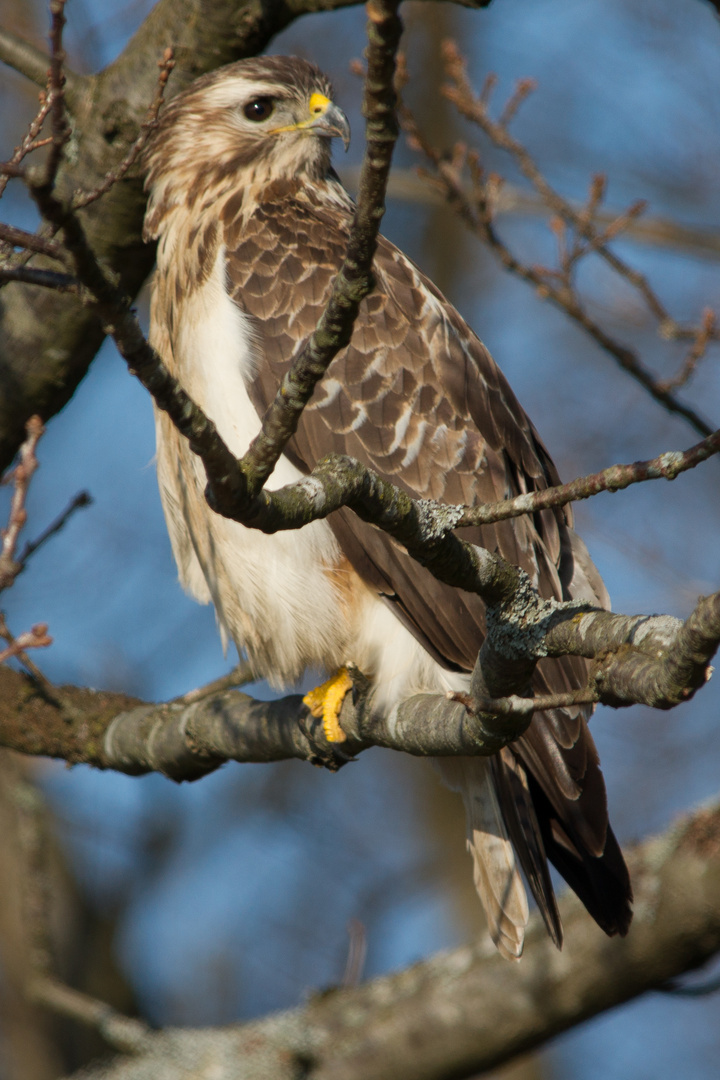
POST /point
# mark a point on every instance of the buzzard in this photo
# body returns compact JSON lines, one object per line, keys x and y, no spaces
{"x":252,"y":224}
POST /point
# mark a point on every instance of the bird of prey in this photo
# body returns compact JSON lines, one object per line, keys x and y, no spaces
{"x":252,"y":224}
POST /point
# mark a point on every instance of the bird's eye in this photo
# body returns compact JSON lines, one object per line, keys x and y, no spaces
{"x":259,"y":108}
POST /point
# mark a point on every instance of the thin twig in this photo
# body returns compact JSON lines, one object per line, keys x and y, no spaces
{"x":357,"y":951}
{"x":78,"y":502}
{"x":523,"y":89}
{"x":239,"y":676}
{"x":666,"y":466}
{"x":656,"y":231}
{"x":13,"y":167}
{"x":589,"y":211}
{"x":124,"y":1033}
{"x":21,"y":476}
{"x":47,"y":279}
{"x":477,"y":211}
{"x":461,"y":94}
{"x":515,"y":706}
{"x":56,"y":92}
{"x":705,"y":332}
{"x":51,"y":694}
{"x":10,"y":234}
{"x":35,"y":638}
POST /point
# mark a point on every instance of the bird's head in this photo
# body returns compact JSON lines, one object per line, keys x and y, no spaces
{"x":256,"y":121}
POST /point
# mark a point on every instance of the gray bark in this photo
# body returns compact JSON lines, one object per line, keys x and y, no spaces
{"x":468,"y":1010}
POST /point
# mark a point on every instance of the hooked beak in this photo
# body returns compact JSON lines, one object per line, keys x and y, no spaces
{"x":328,"y":119}
{"x":324,"y":118}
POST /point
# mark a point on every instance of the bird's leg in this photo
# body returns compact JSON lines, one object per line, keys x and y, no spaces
{"x":326,"y":701}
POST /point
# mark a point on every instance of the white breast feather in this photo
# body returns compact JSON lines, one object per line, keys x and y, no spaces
{"x":273,"y":595}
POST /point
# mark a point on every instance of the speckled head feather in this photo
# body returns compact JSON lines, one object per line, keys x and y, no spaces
{"x":253,"y":226}
{"x":203,"y":142}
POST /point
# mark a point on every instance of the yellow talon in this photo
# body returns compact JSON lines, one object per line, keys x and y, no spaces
{"x":326,"y":701}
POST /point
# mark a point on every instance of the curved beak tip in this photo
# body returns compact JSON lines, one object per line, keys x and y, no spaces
{"x":333,"y":123}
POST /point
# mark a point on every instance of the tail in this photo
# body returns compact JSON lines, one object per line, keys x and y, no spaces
{"x":543,"y":798}
{"x":496,"y":874}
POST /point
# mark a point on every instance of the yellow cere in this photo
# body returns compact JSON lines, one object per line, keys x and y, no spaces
{"x":318,"y":104}
{"x":316,"y":107}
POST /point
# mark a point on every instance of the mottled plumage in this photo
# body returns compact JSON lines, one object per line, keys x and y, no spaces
{"x":252,"y":225}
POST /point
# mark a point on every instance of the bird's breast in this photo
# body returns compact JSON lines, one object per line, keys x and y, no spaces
{"x":292,"y":600}
{"x":276,"y":596}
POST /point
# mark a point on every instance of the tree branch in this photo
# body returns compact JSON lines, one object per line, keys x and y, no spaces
{"x":20,"y":238}
{"x":405,"y":184}
{"x":615,"y":478}
{"x":123,"y":1033}
{"x":46,"y":279}
{"x":81,"y":199}
{"x":475,"y":108}
{"x":466,"y":1011}
{"x":657,"y":661}
{"x":21,"y":476}
{"x":477,"y":210}
{"x":30,"y":61}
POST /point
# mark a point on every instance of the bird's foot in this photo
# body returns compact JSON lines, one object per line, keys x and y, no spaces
{"x":326,"y":701}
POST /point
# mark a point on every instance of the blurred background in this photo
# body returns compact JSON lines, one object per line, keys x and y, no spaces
{"x":224,"y":899}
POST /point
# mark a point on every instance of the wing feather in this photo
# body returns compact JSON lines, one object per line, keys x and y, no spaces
{"x":418,"y":398}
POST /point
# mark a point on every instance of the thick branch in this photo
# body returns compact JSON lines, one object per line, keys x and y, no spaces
{"x":469,"y":1010}
{"x":111,"y":731}
{"x":30,"y":61}
{"x":656,"y":660}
